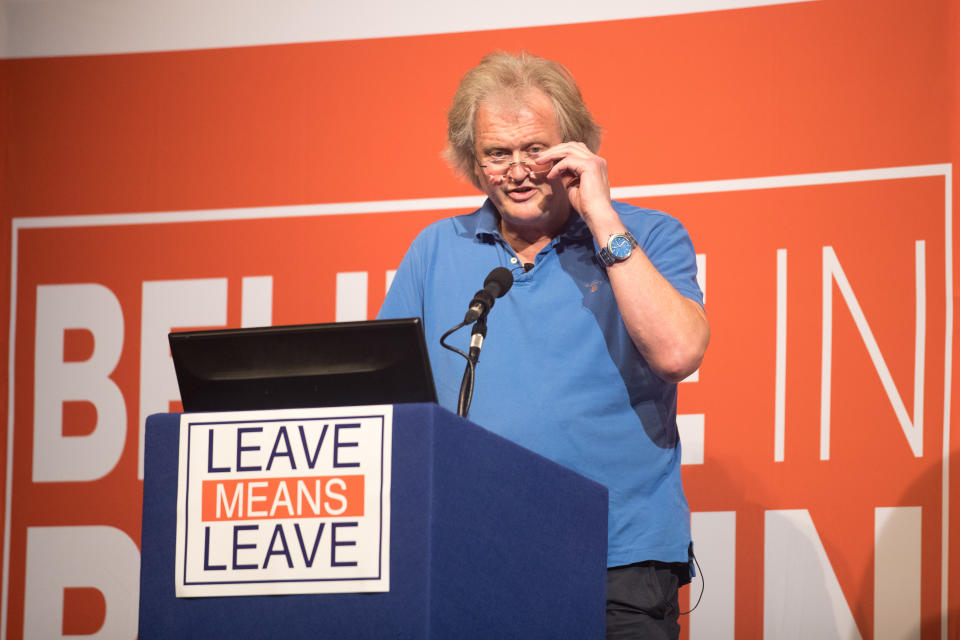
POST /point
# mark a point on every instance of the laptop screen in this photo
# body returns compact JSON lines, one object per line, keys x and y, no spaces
{"x":314,"y":365}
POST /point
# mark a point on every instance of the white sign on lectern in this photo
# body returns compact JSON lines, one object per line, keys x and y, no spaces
{"x":284,"y":502}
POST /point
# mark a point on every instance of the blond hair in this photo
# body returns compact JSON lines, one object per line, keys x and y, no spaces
{"x":500,"y":72}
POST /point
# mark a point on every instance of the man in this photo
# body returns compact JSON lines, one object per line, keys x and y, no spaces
{"x":583,"y":354}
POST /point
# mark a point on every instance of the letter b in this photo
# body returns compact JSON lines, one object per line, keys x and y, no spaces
{"x":56,"y":457}
{"x":103,"y":558}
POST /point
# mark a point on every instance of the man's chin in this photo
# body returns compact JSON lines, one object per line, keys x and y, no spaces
{"x":523,"y":216}
{"x":534,"y":206}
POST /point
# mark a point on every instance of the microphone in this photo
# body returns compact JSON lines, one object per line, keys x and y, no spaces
{"x":476,"y":339}
{"x":497,"y":283}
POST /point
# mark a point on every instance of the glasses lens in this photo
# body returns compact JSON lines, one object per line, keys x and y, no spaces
{"x":496,"y":169}
{"x":501,"y":167}
{"x":534,"y":167}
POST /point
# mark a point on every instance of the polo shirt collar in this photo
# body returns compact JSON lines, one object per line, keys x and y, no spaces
{"x":488,"y":220}
{"x":488,"y":223}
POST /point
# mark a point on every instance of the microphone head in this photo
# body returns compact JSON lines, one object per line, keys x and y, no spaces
{"x":498,"y":282}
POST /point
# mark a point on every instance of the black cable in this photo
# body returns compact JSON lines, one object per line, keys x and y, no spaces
{"x":703,"y":585}
{"x":466,"y":385}
{"x":447,"y":335}
{"x":466,"y":389}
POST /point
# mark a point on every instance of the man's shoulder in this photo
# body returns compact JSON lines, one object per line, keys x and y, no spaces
{"x":641,"y":214}
{"x":640,"y":220}
{"x":465,"y":225}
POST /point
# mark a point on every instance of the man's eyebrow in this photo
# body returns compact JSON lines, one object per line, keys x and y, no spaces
{"x":497,"y":147}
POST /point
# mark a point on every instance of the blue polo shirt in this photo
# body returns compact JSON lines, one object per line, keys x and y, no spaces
{"x":558,"y":373}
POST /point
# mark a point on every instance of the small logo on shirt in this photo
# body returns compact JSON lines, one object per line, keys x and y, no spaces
{"x":592,"y":286}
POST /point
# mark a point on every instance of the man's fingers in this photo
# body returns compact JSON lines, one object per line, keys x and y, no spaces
{"x":564,"y":150}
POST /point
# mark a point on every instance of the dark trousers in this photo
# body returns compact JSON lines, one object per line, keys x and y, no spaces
{"x":642,"y":600}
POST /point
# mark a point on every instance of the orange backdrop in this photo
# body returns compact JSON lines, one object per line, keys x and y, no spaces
{"x":804,"y":146}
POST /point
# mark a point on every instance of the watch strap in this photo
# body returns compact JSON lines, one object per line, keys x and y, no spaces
{"x":606,"y":258}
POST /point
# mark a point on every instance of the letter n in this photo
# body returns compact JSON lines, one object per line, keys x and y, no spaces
{"x":833,"y":272}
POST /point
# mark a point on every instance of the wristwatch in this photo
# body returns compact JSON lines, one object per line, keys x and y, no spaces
{"x":619,"y":247}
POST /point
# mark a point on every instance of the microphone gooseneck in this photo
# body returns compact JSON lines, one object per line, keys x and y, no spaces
{"x":498,"y":282}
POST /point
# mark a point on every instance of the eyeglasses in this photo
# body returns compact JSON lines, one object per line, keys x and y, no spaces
{"x":499,"y":165}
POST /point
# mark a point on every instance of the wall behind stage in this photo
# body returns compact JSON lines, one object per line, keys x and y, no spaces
{"x":159,"y":174}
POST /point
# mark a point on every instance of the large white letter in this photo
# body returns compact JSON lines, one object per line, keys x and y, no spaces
{"x":168,"y":304}
{"x":715,"y":545}
{"x":692,"y":426}
{"x":912,"y":429}
{"x":896,"y":575}
{"x":702,"y":281}
{"x":256,"y":303}
{"x":103,"y":558}
{"x":351,"y":296}
{"x":780,"y":375}
{"x":56,"y":457}
{"x":802,"y":598}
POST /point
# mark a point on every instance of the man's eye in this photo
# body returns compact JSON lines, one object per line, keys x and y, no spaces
{"x":535,"y":149}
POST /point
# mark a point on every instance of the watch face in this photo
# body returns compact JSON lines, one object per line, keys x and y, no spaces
{"x":620,"y":247}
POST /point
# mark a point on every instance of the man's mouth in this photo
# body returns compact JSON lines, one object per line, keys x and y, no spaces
{"x":521,"y":193}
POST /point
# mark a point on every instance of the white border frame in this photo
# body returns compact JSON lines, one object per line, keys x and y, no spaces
{"x":70,"y":28}
{"x":471,"y":202}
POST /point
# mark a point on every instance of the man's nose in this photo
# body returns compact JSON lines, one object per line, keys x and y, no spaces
{"x":517,"y":169}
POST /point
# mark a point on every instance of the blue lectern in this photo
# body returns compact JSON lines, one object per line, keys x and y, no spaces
{"x":488,"y":540}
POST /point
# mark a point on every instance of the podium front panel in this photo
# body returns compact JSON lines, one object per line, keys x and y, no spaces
{"x":487,"y":540}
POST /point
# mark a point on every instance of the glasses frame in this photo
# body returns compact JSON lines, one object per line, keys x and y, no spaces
{"x":525,"y":164}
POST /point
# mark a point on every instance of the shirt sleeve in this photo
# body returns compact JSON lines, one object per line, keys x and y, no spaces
{"x":404,"y":298}
{"x":667,"y":244}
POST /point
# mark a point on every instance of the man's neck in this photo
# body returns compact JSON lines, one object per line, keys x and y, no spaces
{"x":528,"y":241}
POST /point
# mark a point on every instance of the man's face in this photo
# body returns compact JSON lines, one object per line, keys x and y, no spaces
{"x":507,"y":125}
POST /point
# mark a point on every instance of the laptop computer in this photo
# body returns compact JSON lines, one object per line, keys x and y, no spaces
{"x":312,"y":365}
